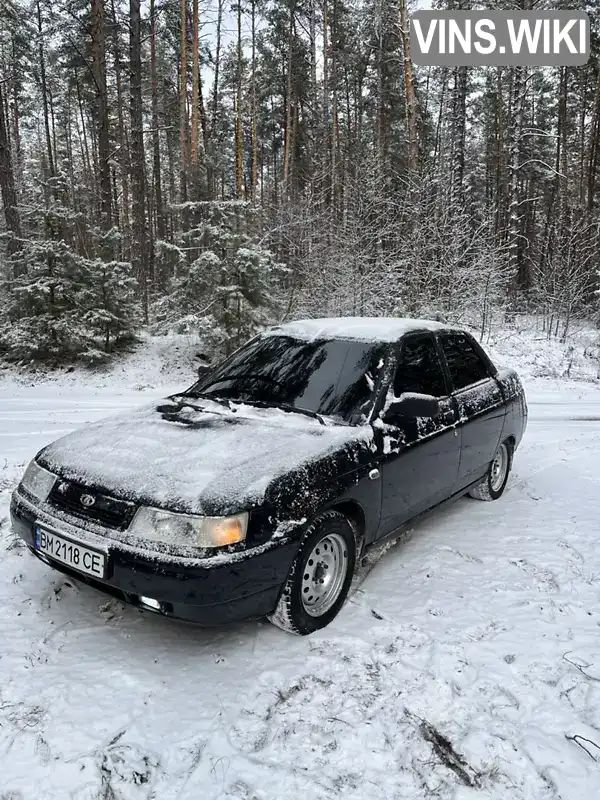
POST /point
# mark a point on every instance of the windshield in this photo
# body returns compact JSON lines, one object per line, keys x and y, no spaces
{"x":336,"y":377}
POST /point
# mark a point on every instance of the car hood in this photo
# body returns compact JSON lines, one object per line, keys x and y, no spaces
{"x":207,"y":461}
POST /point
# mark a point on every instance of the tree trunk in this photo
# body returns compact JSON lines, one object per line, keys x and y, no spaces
{"x":44,"y":88}
{"x":563,"y":125}
{"x":438,"y":128}
{"x":7,"y":185}
{"x":171,"y":137}
{"x":16,"y":119}
{"x":102,"y":123}
{"x":213,"y":105}
{"x":459,"y":125}
{"x":124,"y":166}
{"x":183,"y":121}
{"x":593,"y":145}
{"x":314,"y":85}
{"x":379,"y":115}
{"x":334,"y":110}
{"x":139,"y":254}
{"x":156,"y":166}
{"x":289,"y":102}
{"x":83,"y":139}
{"x":413,"y":115}
{"x":500,"y":157}
{"x":582,"y":142}
{"x":195,"y":84}
{"x":253,"y":127}
{"x":239,"y":132}
{"x":215,"y":93}
{"x":325,"y":130}
{"x":515,"y":242}
{"x":202,"y":115}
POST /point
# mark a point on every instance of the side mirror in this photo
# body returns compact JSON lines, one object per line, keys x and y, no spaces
{"x":410,"y":404}
{"x":204,"y":365}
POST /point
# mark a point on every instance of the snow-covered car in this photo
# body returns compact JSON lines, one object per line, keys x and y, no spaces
{"x":258,"y":491}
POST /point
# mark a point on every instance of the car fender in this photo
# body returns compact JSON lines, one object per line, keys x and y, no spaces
{"x":345,"y":479}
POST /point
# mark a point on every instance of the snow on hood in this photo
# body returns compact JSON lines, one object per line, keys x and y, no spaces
{"x":198,"y":461}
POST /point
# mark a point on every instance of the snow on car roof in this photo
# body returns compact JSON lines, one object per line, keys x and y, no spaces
{"x":375,"y":329}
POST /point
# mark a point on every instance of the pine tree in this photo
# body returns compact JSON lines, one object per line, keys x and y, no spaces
{"x":232,"y":287}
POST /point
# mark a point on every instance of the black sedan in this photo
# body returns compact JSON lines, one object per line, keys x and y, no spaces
{"x":258,"y":490}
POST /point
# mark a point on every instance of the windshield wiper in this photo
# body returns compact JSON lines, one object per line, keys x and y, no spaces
{"x":236,"y":401}
{"x":284,"y":407}
{"x":221,"y":401}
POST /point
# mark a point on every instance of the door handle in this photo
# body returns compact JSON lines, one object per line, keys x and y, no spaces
{"x":374,"y":474}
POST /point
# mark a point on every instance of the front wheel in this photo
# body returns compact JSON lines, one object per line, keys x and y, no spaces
{"x":492,"y":485}
{"x":320,"y":577}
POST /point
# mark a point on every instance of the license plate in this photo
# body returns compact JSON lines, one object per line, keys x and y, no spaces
{"x":73,"y":554}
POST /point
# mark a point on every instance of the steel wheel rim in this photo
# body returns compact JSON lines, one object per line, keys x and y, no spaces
{"x":324,"y":574}
{"x":499,"y":468}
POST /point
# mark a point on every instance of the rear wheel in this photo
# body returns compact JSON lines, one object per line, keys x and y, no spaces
{"x":320,"y":577}
{"x":492,"y":485}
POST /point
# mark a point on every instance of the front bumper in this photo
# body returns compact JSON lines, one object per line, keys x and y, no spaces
{"x":209,"y":592}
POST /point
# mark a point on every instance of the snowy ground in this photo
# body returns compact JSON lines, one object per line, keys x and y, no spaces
{"x":466,"y":665}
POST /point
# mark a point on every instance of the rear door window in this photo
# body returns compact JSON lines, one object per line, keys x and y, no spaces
{"x":464,"y":363}
{"x":419,"y":368}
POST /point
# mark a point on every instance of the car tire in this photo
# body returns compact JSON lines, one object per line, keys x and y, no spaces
{"x":493,"y":484}
{"x":320,"y":577}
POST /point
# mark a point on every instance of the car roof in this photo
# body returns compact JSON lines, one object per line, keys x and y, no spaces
{"x":363,"y":329}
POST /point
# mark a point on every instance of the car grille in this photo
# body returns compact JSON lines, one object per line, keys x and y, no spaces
{"x":88,"y":504}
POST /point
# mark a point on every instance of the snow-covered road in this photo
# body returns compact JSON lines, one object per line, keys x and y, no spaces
{"x":466,"y":665}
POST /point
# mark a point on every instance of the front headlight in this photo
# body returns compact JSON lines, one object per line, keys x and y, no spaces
{"x":37,"y":481}
{"x":170,"y":528}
